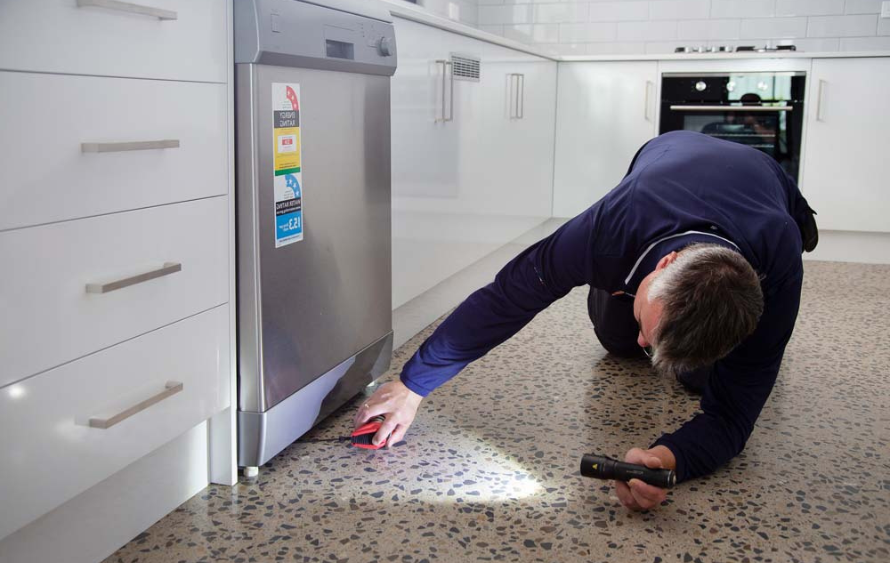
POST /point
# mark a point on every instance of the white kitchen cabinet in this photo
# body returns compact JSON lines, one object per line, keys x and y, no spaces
{"x":54,"y":444}
{"x":166,"y":39}
{"x":117,"y":230}
{"x":845,"y":177}
{"x":62,"y":181}
{"x":605,"y":112}
{"x":467,"y":176}
{"x":54,"y":317}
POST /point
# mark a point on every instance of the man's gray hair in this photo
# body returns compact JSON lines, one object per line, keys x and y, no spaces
{"x":711,"y":300}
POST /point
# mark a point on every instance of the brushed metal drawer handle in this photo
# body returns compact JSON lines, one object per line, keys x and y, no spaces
{"x":166,"y":270}
{"x":170,"y":389}
{"x":133,"y":146}
{"x":129,"y":8}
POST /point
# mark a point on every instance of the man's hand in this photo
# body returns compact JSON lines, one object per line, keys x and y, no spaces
{"x":397,"y":404}
{"x":637,"y":495}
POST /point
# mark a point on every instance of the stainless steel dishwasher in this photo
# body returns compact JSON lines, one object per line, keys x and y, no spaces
{"x":312,"y":95}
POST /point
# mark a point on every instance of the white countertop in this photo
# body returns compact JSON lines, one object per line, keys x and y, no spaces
{"x":404,"y":10}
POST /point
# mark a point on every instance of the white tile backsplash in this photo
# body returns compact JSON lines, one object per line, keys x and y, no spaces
{"x":709,"y":29}
{"x":587,"y":32}
{"x":489,"y":15}
{"x":809,"y":7}
{"x":680,"y":9}
{"x":743,"y":8}
{"x":863,"y":7}
{"x":843,"y":26}
{"x":647,"y":31}
{"x":619,"y":11}
{"x":761,"y":28}
{"x":561,"y":13}
{"x":865,"y":44}
{"x":641,"y":26}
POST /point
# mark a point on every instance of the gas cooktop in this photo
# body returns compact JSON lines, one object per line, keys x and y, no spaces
{"x":739,"y":49}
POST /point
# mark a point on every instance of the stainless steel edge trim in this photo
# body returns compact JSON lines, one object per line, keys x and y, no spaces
{"x":251,"y":396}
{"x":170,"y":389}
{"x":129,"y":8}
{"x":167,"y":269}
{"x":732,"y":108}
{"x":129,"y":146}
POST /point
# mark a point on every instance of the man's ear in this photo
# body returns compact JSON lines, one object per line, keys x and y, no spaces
{"x":666,"y":261}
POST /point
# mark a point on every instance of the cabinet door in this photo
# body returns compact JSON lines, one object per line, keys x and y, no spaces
{"x":845,"y":175}
{"x":460,"y":188}
{"x":424,"y":147}
{"x":515,"y":135}
{"x":605,"y":113}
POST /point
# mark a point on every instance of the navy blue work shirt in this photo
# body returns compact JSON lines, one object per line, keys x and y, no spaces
{"x":683,"y":187}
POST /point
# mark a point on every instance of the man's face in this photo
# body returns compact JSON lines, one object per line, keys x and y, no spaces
{"x":648,"y":312}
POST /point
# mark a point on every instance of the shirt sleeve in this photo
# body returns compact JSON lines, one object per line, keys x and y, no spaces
{"x":737,"y":389}
{"x":528,"y":284}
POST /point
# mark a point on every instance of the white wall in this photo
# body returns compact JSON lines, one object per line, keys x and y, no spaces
{"x":658,"y":26}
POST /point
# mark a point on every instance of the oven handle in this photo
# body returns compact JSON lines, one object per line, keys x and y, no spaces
{"x":732,"y":108}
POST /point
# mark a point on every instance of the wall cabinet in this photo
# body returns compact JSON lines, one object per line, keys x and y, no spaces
{"x":845,"y":176}
{"x":605,"y":112}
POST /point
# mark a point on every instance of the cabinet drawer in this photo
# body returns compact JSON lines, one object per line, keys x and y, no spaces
{"x":69,"y":36}
{"x":52,"y":453}
{"x":50,"y":317}
{"x":51,"y":122}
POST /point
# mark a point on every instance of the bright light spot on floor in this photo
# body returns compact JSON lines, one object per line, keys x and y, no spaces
{"x":474,"y":471}
{"x":17,"y":392}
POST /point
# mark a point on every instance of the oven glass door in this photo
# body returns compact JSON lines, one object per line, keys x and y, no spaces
{"x":762,"y":128}
{"x":774,"y":130}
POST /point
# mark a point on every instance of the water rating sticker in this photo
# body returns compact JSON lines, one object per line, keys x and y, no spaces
{"x":287,"y":164}
{"x":288,"y":210}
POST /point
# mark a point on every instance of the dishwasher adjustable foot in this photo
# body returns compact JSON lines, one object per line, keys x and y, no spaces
{"x":251,"y":472}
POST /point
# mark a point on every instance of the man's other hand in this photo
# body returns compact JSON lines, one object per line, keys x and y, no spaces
{"x":637,"y":495}
{"x":397,"y":404}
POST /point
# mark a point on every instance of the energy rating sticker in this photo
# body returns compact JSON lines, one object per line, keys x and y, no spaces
{"x":287,"y":153}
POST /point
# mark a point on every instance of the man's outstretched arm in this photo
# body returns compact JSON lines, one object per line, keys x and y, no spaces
{"x":528,"y":284}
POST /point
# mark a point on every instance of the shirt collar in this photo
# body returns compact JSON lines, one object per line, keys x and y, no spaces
{"x":654,"y":252}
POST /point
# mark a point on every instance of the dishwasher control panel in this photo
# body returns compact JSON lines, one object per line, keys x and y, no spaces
{"x":331,"y":35}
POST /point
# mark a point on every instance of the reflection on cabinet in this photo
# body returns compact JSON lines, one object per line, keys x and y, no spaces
{"x":848,"y":132}
{"x":606,"y":111}
{"x":472,"y":160}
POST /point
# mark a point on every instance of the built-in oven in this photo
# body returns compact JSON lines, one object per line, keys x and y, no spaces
{"x":761,"y":110}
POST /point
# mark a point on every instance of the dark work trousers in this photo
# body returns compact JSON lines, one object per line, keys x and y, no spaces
{"x":617,"y":330}
{"x":614,"y":323}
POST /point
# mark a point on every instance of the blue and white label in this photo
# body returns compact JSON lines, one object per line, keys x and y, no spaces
{"x":288,"y":210}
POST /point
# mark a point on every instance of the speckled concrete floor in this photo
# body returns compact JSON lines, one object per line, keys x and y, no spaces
{"x":490,"y":468}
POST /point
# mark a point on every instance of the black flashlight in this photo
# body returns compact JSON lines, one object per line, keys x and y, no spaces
{"x":602,"y":467}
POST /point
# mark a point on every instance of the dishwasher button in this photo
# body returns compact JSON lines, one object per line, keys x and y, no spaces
{"x":384,"y":47}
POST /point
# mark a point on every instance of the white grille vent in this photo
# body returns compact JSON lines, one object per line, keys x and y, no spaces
{"x":466,"y":67}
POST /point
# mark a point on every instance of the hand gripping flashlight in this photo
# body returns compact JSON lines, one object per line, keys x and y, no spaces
{"x":602,"y":467}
